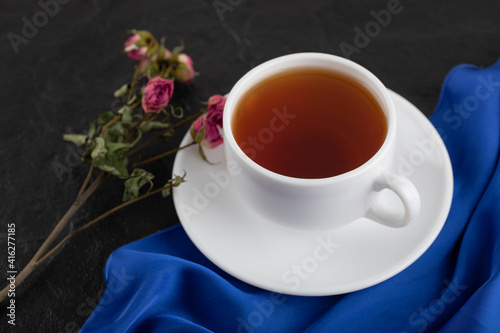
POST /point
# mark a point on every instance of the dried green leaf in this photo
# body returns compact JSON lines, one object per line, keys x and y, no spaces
{"x":126,"y":112}
{"x":137,"y":180}
{"x":77,"y":139}
{"x":154,"y":126}
{"x":92,"y":130}
{"x":115,"y":133}
{"x":166,"y":191}
{"x":111,"y":162}
{"x":105,"y":118}
{"x":176,"y":181}
{"x":122,"y":91}
{"x":132,"y":100}
{"x":97,"y":125}
{"x":99,"y":152}
{"x":118,"y":147}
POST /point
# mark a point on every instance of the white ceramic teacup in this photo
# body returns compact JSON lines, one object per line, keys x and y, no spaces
{"x":325,"y":203}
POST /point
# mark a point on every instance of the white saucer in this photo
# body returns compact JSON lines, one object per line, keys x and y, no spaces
{"x":343,"y":260}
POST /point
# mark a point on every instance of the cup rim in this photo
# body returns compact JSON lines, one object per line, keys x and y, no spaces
{"x":247,"y":81}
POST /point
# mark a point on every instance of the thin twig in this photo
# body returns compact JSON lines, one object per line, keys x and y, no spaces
{"x":33,"y":263}
{"x":152,"y":139}
{"x":108,"y":124}
{"x":144,"y":123}
{"x":85,"y":182}
{"x":100,"y":217}
{"x":170,"y":152}
{"x":135,"y":77}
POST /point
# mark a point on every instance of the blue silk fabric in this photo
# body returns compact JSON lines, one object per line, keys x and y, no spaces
{"x":162,"y":283}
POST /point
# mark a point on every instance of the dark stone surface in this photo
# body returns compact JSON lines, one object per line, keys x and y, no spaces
{"x":64,"y":76}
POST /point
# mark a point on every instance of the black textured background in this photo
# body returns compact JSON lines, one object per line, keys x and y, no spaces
{"x":64,"y":76}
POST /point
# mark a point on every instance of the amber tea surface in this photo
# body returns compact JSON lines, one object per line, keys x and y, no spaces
{"x":309,"y":123}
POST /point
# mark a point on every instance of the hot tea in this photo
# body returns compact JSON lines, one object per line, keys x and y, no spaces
{"x":309,"y":123}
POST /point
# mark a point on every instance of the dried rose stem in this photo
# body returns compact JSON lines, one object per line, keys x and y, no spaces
{"x":157,"y":136}
{"x":131,"y":134}
{"x":170,"y":152}
{"x":135,"y":78}
{"x":83,"y":195}
{"x":108,"y":124}
{"x":102,"y":216}
{"x":85,"y":182}
{"x":144,"y":122}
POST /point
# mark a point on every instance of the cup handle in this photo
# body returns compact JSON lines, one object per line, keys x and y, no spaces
{"x":406,"y":192}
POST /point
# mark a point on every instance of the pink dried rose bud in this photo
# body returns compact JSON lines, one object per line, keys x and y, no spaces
{"x":162,"y":54}
{"x":157,"y":94}
{"x":137,"y":46}
{"x":216,"y":108}
{"x":133,"y":51}
{"x":197,"y":129}
{"x":206,"y":130}
{"x":185,"y":70}
{"x":166,"y":53}
{"x":212,"y":137}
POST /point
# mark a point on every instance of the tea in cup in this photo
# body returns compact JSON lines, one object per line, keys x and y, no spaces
{"x":314,"y":135}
